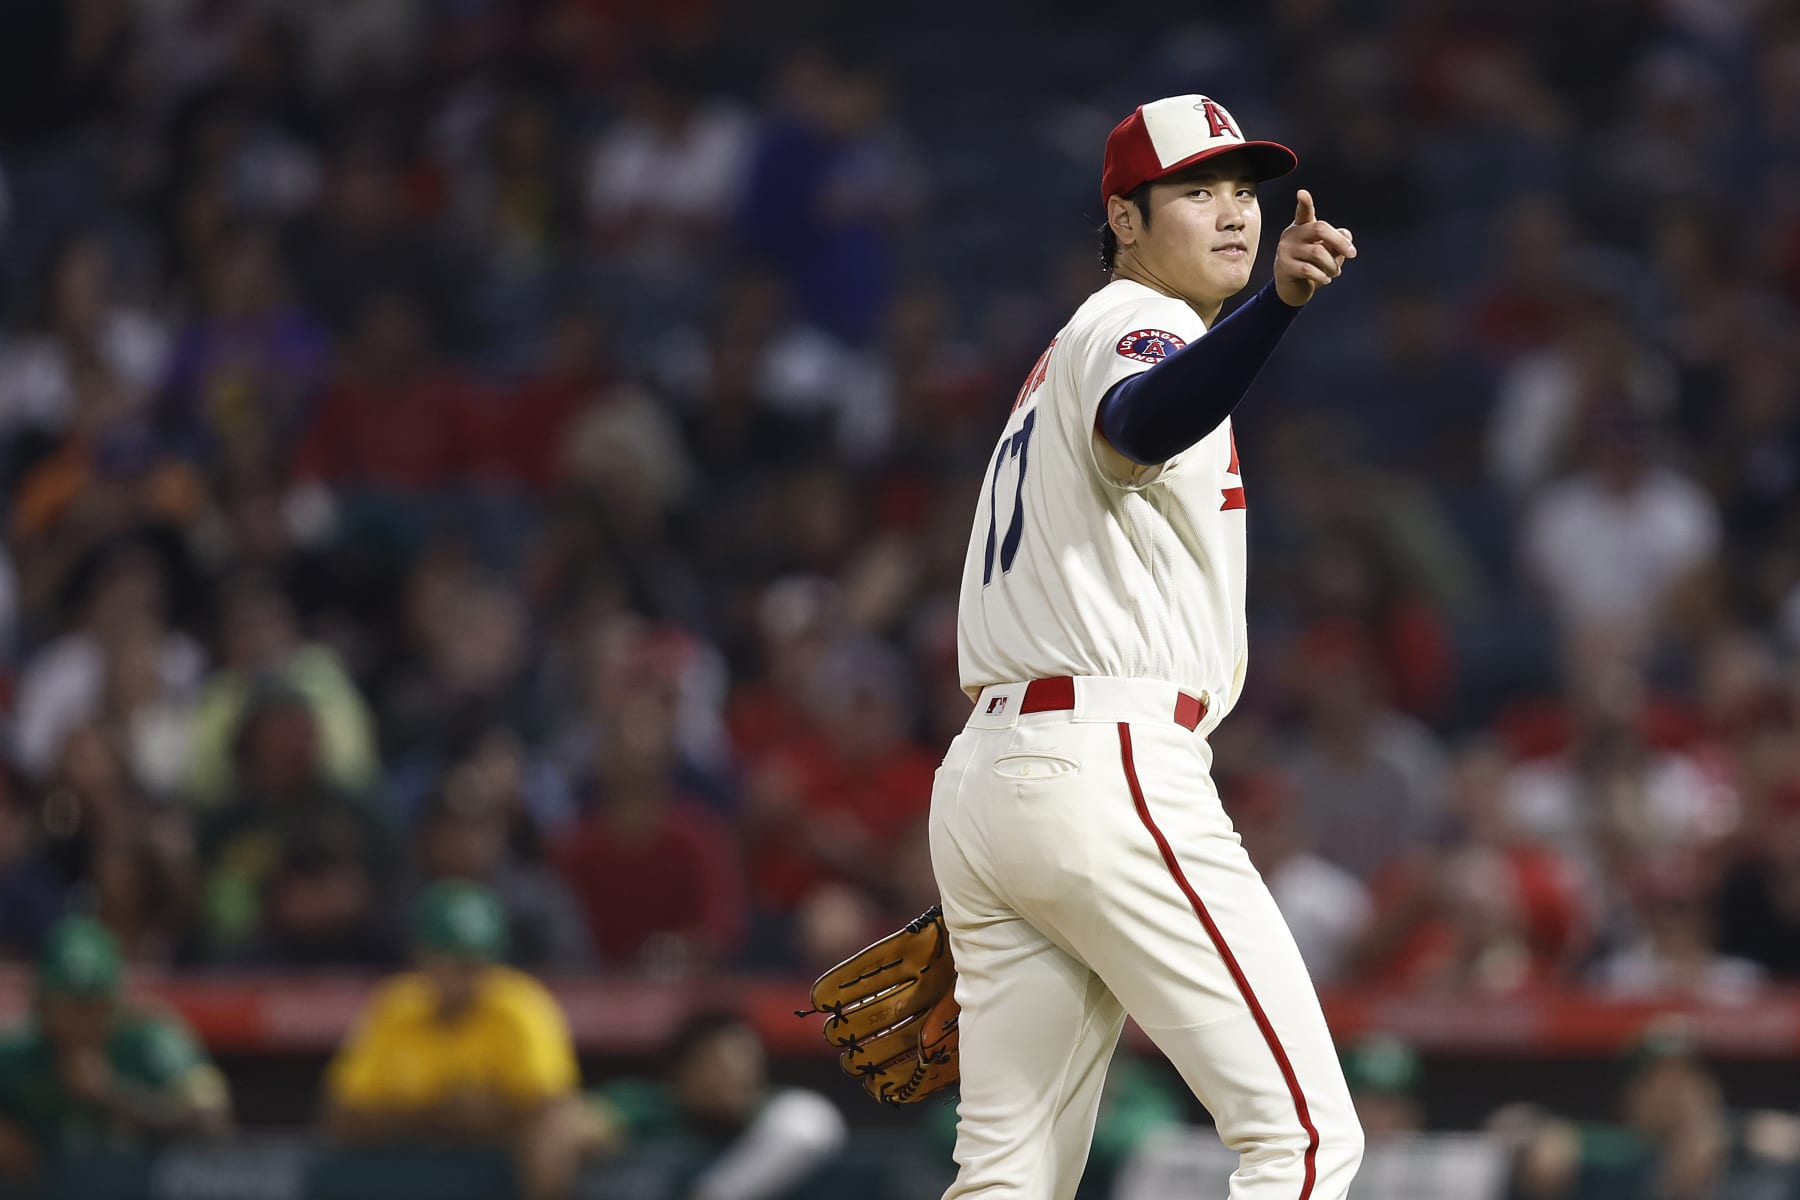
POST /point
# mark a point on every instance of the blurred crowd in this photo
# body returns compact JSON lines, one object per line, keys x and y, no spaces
{"x":532,"y":443}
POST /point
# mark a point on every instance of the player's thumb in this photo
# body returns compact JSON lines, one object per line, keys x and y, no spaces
{"x":1303,"y":207}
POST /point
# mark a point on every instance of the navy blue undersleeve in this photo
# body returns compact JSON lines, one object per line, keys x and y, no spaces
{"x":1156,"y":414}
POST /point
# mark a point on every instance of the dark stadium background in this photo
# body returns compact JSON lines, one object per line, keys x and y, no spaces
{"x":569,"y":412}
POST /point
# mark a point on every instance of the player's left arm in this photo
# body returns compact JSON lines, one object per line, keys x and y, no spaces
{"x":1154,"y":415}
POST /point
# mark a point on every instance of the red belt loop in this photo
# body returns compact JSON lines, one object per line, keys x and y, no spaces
{"x":1058,"y":695}
{"x":1189,"y":712}
{"x":1049,"y":695}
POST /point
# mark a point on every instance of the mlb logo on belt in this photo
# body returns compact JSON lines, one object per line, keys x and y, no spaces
{"x":996,"y":705}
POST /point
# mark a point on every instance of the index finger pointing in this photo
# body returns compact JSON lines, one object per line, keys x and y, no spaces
{"x":1303,"y":207}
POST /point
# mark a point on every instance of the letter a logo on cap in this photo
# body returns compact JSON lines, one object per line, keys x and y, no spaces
{"x":1217,"y":119}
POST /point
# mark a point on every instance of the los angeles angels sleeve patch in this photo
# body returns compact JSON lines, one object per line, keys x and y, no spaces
{"x":1148,"y":345}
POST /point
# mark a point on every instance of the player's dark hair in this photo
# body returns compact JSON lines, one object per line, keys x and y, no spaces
{"x":1139,"y":198}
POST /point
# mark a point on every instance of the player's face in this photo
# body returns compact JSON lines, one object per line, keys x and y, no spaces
{"x":1204,"y":230}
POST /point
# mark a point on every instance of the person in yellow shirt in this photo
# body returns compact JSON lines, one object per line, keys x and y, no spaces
{"x":465,"y":1050}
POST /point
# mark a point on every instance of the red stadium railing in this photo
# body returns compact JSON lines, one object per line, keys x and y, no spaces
{"x":309,"y":1014}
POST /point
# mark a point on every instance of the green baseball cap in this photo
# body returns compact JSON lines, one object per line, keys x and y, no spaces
{"x":79,"y":958}
{"x":1381,"y":1063}
{"x":460,"y":920}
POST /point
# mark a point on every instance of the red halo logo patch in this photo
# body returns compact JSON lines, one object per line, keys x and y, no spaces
{"x":1148,"y":345}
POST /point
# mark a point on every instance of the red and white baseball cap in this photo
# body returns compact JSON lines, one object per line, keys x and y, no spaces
{"x":1166,"y":135}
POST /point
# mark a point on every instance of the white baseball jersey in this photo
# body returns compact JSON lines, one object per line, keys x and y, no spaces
{"x":1071,"y":573}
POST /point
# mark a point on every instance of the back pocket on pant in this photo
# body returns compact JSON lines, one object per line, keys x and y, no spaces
{"x":1037,"y":764}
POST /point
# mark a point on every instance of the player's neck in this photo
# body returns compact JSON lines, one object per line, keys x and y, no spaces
{"x":1129,"y":268}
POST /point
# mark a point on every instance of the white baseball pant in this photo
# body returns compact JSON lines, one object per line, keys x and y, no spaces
{"x":1088,"y":871}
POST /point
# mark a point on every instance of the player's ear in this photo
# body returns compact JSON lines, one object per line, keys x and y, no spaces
{"x":1122,"y":216}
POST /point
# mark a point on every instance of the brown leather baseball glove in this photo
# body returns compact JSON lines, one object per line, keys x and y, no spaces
{"x":893,"y":1010}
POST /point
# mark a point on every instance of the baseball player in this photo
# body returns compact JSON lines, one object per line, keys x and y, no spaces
{"x":1086,"y":866}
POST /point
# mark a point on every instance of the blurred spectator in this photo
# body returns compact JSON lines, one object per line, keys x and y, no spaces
{"x":1326,"y":908}
{"x":525,"y":441}
{"x":795,"y":620}
{"x":656,"y":876}
{"x":1493,"y":910}
{"x":513,"y":200}
{"x":617,"y":523}
{"x":261,"y":646}
{"x":94,"y":1070}
{"x":525,"y":789}
{"x":1613,"y":797}
{"x":463,"y":835}
{"x":82,"y":327}
{"x":131,"y":856}
{"x":834,"y":922}
{"x":1369,"y":780}
{"x":320,"y":908}
{"x":752,"y":1141}
{"x":832,"y":808}
{"x":102,"y":841}
{"x":1474,"y":921}
{"x":1383,"y":1074}
{"x":86,"y":803}
{"x":249,"y":365}
{"x":662,"y":180}
{"x":621,"y":657}
{"x":829,"y":180}
{"x":1757,"y":914}
{"x":1673,"y":1135}
{"x":1673,"y":947}
{"x":1523,"y":303}
{"x":282,"y":796}
{"x":368,"y":241}
{"x":229,"y":78}
{"x":31,"y":896}
{"x":122,"y":604}
{"x":1547,"y":399}
{"x":350,"y":45}
{"x":153,"y":720}
{"x":805,"y":377}
{"x":1355,"y":589}
{"x":1624,"y":542}
{"x":1414,"y":402}
{"x":1660,"y":150}
{"x":396,"y":419}
{"x":472,"y":648}
{"x":511,"y":205}
{"x":464,"y":1052}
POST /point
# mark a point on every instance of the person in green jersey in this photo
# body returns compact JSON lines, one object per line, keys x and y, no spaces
{"x":1674,"y":1137}
{"x":743,"y":1137}
{"x":92,"y":1070}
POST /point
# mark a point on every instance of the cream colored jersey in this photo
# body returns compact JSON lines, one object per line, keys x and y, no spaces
{"x":1072,"y":572}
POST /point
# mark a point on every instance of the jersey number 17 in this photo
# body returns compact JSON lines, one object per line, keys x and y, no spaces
{"x":1018,"y":446}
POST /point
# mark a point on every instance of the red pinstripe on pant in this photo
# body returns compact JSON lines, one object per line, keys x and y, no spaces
{"x":1230,"y":959}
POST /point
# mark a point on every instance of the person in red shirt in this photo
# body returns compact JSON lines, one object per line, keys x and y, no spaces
{"x":395,"y":418}
{"x":526,"y":435}
{"x":1494,"y":911}
{"x":835,"y":807}
{"x":656,"y":876}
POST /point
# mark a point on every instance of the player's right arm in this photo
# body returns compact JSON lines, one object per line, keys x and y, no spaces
{"x":1151,"y":416}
